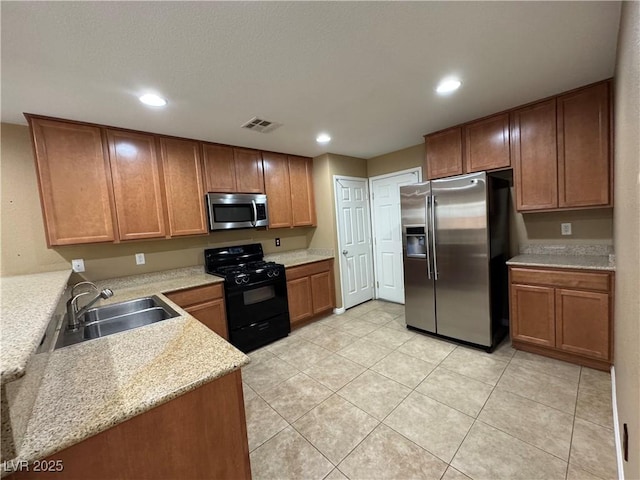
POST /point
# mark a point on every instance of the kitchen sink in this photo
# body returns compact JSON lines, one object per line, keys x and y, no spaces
{"x":117,"y":317}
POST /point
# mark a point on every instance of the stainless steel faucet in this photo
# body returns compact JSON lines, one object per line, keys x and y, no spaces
{"x":73,"y":312}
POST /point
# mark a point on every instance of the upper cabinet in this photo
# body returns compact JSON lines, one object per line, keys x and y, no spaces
{"x":486,"y":144}
{"x":444,"y":153}
{"x":289,"y":187}
{"x":136,"y":185}
{"x":183,"y":181}
{"x":74,"y":178}
{"x":232,"y":170}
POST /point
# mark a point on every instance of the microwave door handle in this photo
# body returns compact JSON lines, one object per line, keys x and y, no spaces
{"x":255,"y":213}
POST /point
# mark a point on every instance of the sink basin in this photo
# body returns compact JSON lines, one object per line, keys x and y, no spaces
{"x":117,"y":317}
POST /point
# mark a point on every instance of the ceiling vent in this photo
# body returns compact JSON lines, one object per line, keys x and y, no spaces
{"x":260,"y":125}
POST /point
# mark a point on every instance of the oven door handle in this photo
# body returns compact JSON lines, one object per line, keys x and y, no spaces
{"x":254,"y":222}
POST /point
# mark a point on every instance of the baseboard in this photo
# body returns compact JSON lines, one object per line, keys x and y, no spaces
{"x":339,"y":311}
{"x":616,"y":425}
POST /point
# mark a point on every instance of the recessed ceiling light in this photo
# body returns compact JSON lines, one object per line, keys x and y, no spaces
{"x":323,"y":138}
{"x":153,"y":100}
{"x":448,"y":85}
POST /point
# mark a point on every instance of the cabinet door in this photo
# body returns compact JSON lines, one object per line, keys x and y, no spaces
{"x":249,"y":173}
{"x":322,"y":292}
{"x":444,"y":153}
{"x":533,"y":314}
{"x":182,"y":169}
{"x":136,"y":185}
{"x":219,"y":168}
{"x":278,"y":190}
{"x":486,"y":144}
{"x":213,"y":315}
{"x":75,"y":182}
{"x":584,"y":173}
{"x":299,"y":294}
{"x":533,"y":142}
{"x":582,"y":323}
{"x":302,"y":198}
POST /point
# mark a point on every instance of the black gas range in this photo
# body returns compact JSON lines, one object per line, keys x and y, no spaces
{"x":255,"y":294}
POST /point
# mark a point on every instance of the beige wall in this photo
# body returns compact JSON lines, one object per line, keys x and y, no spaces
{"x":23,"y":242}
{"x":396,"y":161}
{"x":627,"y":231}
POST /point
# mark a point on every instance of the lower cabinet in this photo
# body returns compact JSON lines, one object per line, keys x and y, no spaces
{"x":310,"y":289}
{"x":206,"y":304}
{"x":565,"y":314}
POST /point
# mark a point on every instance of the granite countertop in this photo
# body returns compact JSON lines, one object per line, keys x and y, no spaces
{"x":300,"y":257}
{"x":28,"y":302}
{"x":586,"y":262}
{"x":92,"y":386}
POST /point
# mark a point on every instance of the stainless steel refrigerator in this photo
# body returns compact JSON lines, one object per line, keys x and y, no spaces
{"x":455,"y":245}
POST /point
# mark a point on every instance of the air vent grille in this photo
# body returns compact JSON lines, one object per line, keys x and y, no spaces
{"x":261,"y":125}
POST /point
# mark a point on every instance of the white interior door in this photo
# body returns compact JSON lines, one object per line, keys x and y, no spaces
{"x":354,"y":240}
{"x":386,"y":221}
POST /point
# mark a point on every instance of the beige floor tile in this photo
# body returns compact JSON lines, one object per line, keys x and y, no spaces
{"x":426,"y":348}
{"x":377,"y":317}
{"x":594,"y":405}
{"x":303,"y":354}
{"x":392,"y":308}
{"x":457,"y":391}
{"x":488,"y":453}
{"x":334,"y":371}
{"x":575,"y":473}
{"x":363,"y":308}
{"x":267,"y":374}
{"x":504,"y":351}
{"x":595,"y":379}
{"x":398,"y":323}
{"x":288,"y":456}
{"x":263,"y":422}
{"x":335,"y":321}
{"x":551,"y":366}
{"x":385,"y":454}
{"x":335,"y":427}
{"x":358,"y":328}
{"x":593,"y":449}
{"x":296,"y":396}
{"x":247,"y":392}
{"x":389,"y":337}
{"x":375,"y":394}
{"x":404,"y":369}
{"x":258,"y":356}
{"x":335,"y":475}
{"x":364,"y":353}
{"x":313,"y":330}
{"x":335,"y":340}
{"x":437,"y":428}
{"x":475,"y":364}
{"x":544,"y":427}
{"x":453,"y":474}
{"x":284,"y":343}
{"x":547,"y":389}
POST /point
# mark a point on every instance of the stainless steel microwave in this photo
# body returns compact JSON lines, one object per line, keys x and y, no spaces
{"x":237,"y":210}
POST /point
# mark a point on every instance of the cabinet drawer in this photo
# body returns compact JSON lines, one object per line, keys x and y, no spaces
{"x":308,"y":269}
{"x":562,"y":278}
{"x":196,"y":295}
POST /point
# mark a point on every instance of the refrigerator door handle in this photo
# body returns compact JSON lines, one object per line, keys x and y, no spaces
{"x":433,"y":236}
{"x":426,"y":232}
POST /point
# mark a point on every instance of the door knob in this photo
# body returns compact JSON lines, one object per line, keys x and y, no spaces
{"x":344,"y":252}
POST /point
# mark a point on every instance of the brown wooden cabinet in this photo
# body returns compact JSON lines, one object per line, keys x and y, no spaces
{"x":443,"y":153}
{"x":562,"y":313}
{"x":584,"y":162}
{"x":486,"y":144}
{"x":311,"y":291}
{"x":74,"y":178}
{"x":136,"y":185}
{"x":233,"y":170}
{"x":288,"y":182}
{"x":206,"y":304}
{"x":183,"y":181}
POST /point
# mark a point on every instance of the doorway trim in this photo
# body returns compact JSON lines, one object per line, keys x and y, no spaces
{"x":415,"y":170}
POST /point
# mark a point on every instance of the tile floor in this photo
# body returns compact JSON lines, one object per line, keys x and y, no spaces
{"x":359,"y":396}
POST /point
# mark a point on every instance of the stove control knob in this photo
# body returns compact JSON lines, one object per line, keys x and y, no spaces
{"x":276,"y":273}
{"x":269,"y":273}
{"x":238,"y":280}
{"x":245,"y":279}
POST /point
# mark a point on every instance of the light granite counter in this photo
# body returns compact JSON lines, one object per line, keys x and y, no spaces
{"x":582,"y":262}
{"x":89,"y":387}
{"x":295,"y":258}
{"x":28,"y":302}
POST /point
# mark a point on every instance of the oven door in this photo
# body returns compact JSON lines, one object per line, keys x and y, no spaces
{"x":236,"y":210}
{"x":253,"y":303}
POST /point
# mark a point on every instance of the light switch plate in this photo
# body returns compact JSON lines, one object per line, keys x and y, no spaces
{"x":565,"y":228}
{"x":77,"y":265}
{"x":140,"y":260}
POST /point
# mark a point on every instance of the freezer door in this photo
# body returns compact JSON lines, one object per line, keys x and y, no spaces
{"x":462,"y":258}
{"x":416,"y":256}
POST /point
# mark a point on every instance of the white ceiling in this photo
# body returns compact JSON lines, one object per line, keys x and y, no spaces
{"x":365,"y":72}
